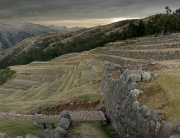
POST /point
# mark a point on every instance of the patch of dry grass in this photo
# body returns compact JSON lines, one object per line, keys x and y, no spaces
{"x":163,"y":93}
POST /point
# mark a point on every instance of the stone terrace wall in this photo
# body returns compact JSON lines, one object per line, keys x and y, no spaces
{"x":157,"y":55}
{"x":124,"y":63}
{"x":160,"y":39}
{"x":144,"y":47}
{"x":127,"y":117}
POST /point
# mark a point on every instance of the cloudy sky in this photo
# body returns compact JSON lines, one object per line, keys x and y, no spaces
{"x":85,"y":13}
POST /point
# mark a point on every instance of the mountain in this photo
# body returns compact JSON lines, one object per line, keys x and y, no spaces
{"x":11,"y":34}
{"x":64,"y":28}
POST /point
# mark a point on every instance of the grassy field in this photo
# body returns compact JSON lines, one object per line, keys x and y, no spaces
{"x":15,"y":128}
{"x":163,"y":93}
{"x":90,"y":129}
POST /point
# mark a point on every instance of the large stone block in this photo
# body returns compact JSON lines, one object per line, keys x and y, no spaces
{"x":40,"y":124}
{"x":166,"y":130}
{"x":63,"y":132}
{"x":65,"y":114}
{"x":146,"y":76}
{"x":65,"y":123}
{"x":31,"y":136}
{"x":144,"y":110}
{"x":57,"y":134}
{"x":135,"y":106}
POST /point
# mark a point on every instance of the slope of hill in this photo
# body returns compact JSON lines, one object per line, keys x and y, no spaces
{"x":72,"y":81}
{"x":50,"y":45}
{"x":11,"y":34}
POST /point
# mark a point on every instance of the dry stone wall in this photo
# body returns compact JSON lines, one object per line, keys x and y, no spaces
{"x":124,"y":63}
{"x":158,"y":55}
{"x":127,"y":116}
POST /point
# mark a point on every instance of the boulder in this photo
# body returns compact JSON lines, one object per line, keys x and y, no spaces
{"x":134,"y":94}
{"x":135,"y":106}
{"x":63,"y":132}
{"x":155,"y":115}
{"x":56,"y":134}
{"x":146,"y":76}
{"x":134,"y":77}
{"x":19,"y":137}
{"x":40,"y":124}
{"x":166,"y":130}
{"x":3,"y":135}
{"x":31,"y":136}
{"x":65,"y":114}
{"x":64,"y":123}
{"x":144,"y":110}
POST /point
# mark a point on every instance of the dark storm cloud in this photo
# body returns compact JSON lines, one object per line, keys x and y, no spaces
{"x":21,"y":10}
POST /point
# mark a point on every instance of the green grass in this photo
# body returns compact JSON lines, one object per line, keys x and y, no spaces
{"x":91,"y":129}
{"x":15,"y":128}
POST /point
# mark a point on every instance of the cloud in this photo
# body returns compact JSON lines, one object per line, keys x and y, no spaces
{"x":61,"y":10}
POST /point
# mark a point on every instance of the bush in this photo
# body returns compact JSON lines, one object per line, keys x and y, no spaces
{"x":5,"y":74}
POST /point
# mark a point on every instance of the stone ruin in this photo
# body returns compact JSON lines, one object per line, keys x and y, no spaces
{"x":128,"y":118}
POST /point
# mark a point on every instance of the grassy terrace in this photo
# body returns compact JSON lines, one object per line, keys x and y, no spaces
{"x":90,"y":129}
{"x":162,"y":93}
{"x":14,"y":128}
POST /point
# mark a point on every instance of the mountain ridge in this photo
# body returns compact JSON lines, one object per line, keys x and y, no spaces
{"x":11,"y":34}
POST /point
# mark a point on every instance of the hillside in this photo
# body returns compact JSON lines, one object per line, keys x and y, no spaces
{"x":11,"y":34}
{"x":50,"y":45}
{"x":72,"y":81}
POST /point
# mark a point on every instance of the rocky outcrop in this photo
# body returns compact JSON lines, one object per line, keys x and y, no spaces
{"x":128,"y":117}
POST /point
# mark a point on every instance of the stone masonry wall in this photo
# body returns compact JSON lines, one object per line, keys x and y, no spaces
{"x":128,"y":118}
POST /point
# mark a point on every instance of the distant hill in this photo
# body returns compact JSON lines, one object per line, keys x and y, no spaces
{"x":11,"y":34}
{"x":64,"y":28}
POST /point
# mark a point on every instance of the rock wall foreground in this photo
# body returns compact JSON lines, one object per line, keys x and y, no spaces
{"x":128,"y":118}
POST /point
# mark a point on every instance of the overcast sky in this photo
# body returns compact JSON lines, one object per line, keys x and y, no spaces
{"x":80,"y":12}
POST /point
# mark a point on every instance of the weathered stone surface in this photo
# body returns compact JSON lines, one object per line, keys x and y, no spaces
{"x":151,"y":135}
{"x":128,"y":118}
{"x":166,"y":130}
{"x":135,"y":106}
{"x":65,"y":123}
{"x":144,"y":110}
{"x":175,"y":136}
{"x":146,"y":76}
{"x":40,"y":124}
{"x":3,"y":135}
{"x":56,"y":134}
{"x":63,"y":132}
{"x":134,"y":77}
{"x":65,"y":114}
{"x":19,"y":137}
{"x":31,"y":136}
{"x":46,"y":133}
{"x":140,"y":121}
{"x":155,"y":115}
{"x":134,"y":94}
